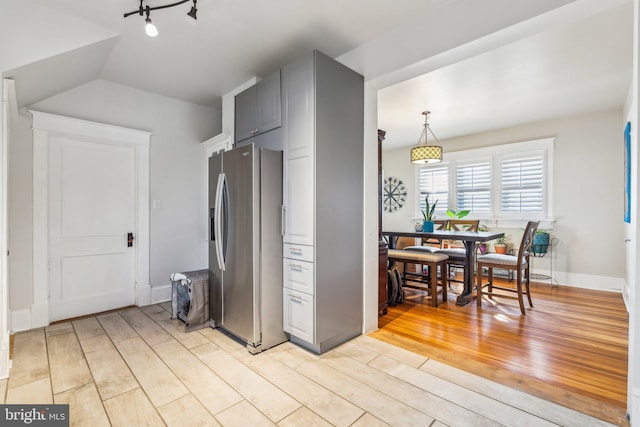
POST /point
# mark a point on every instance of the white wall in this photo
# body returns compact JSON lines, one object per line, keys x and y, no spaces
{"x":588,"y":187}
{"x":20,"y":213}
{"x":633,"y":244}
{"x":178,"y":227}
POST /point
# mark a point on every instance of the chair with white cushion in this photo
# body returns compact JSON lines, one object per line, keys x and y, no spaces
{"x":518,"y":263}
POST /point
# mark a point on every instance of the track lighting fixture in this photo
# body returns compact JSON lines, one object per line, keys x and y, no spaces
{"x":151,"y":29}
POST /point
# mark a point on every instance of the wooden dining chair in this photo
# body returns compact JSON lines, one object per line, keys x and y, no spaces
{"x":518,"y":263}
{"x":431,"y":244}
{"x":456,"y":254}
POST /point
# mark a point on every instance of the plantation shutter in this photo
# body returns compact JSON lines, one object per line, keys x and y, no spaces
{"x":522,"y":184}
{"x":435,"y":181}
{"x":473,"y":187}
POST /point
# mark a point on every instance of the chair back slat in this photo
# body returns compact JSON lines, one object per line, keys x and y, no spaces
{"x":438,"y":224}
{"x":463,"y":224}
{"x":527,"y":241}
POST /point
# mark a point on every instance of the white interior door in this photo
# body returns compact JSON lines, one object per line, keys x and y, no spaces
{"x":91,"y":209}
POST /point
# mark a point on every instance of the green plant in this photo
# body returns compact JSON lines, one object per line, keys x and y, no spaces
{"x":460,"y":214}
{"x":501,"y":239}
{"x":483,"y":227}
{"x":427,"y":214}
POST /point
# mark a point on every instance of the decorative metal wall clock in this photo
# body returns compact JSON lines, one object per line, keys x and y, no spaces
{"x":395,"y":194}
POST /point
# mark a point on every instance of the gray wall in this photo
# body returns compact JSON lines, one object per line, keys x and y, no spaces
{"x":177,"y":175}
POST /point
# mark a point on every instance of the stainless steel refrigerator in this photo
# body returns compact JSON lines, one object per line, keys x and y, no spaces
{"x":245,"y":246}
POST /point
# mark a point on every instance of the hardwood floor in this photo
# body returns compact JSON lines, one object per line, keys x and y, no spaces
{"x":571,"y":348}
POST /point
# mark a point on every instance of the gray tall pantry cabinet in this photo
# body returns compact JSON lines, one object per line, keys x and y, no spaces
{"x":323,"y":114}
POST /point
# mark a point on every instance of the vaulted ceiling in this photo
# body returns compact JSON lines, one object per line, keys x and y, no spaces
{"x":523,"y":70}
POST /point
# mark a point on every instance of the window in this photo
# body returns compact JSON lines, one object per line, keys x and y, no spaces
{"x":504,"y":182}
{"x":521,"y":182}
{"x":473,"y":186}
{"x":435,"y":181}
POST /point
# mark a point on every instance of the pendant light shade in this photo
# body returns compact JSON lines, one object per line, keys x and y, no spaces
{"x":423,"y":153}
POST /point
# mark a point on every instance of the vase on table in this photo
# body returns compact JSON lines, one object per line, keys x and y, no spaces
{"x":427,"y":226}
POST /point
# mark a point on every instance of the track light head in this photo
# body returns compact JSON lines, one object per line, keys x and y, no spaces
{"x":151,"y":29}
{"x":191,"y":16}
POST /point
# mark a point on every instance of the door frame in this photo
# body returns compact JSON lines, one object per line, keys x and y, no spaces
{"x":44,"y":126}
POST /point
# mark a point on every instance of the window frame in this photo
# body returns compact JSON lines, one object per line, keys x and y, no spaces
{"x":495,"y":154}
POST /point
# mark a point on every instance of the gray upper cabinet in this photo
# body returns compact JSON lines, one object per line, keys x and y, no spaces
{"x":258,"y":108}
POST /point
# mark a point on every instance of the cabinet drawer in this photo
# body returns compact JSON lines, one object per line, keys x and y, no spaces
{"x":298,"y":275}
{"x":301,"y":252}
{"x":298,"y":314}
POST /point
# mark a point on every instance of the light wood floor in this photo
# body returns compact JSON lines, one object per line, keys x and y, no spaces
{"x":571,"y":348}
{"x":137,"y":367}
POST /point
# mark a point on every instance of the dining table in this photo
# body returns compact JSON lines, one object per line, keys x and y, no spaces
{"x":469,"y":238}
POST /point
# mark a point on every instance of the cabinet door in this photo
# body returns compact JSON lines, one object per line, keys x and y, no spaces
{"x":299,"y":114}
{"x":269,"y":103}
{"x":246,"y":114}
{"x":298,"y":314}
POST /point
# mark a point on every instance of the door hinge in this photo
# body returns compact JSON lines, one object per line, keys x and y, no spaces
{"x":129,"y":240}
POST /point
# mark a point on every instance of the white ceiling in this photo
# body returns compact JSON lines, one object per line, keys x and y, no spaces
{"x":577,"y":68}
{"x":584,"y":66}
{"x":233,"y":40}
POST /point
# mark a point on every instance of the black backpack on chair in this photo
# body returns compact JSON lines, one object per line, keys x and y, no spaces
{"x":395,"y":291}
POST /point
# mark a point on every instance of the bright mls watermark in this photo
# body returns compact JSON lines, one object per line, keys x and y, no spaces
{"x":34,"y":415}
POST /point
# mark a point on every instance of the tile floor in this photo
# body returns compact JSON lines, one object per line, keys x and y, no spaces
{"x":139,"y":368}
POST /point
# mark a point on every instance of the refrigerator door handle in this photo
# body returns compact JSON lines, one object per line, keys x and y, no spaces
{"x":224,"y":246}
{"x":218,"y":220}
{"x":212,"y":224}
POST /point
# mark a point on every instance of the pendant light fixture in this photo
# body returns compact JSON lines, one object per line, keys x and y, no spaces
{"x":151,"y":29}
{"x":423,"y":153}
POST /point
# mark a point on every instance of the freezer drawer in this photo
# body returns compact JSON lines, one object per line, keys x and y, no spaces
{"x":298,"y":315}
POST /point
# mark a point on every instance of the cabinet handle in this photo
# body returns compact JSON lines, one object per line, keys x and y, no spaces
{"x":296,"y":268}
{"x":283,"y":219}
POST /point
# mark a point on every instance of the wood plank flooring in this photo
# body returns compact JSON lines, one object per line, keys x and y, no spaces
{"x":571,"y":348}
{"x":146,"y":371}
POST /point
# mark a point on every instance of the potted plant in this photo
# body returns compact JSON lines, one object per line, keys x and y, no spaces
{"x":456,"y":215}
{"x":540,"y":242}
{"x":427,"y":215}
{"x":500,"y":245}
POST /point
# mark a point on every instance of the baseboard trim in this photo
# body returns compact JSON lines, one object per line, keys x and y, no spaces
{"x":20,"y":320}
{"x":585,"y":281}
{"x":39,"y":315}
{"x":160,"y":294}
{"x":143,"y":295}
